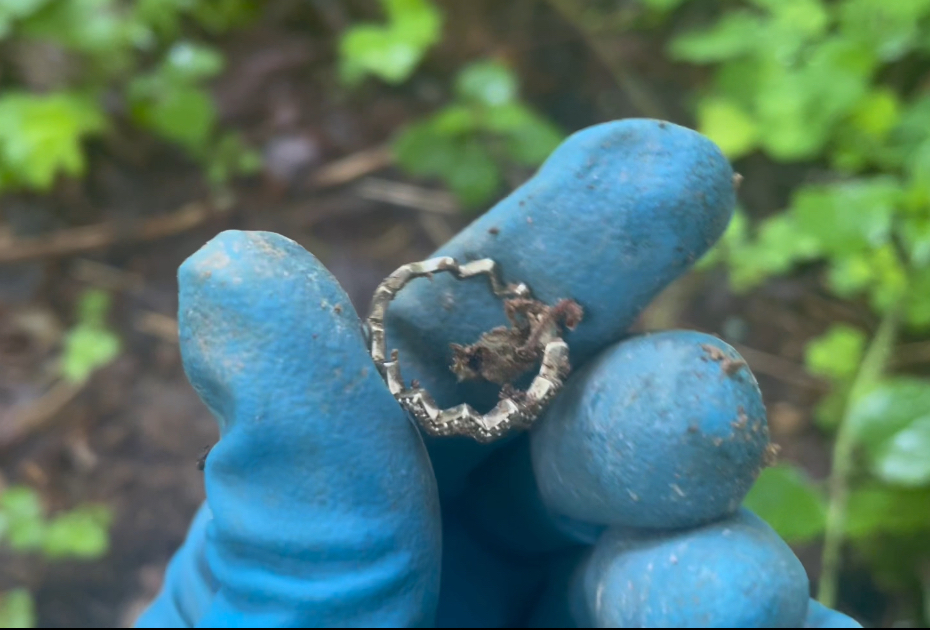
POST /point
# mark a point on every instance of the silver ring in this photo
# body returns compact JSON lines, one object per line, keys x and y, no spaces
{"x":515,"y":411}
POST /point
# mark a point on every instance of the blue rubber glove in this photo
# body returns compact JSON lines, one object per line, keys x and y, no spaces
{"x":325,"y":507}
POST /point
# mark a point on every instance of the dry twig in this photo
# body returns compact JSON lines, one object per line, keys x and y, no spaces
{"x":93,"y":237}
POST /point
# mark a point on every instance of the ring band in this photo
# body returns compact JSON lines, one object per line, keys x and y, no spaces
{"x":514,"y":412}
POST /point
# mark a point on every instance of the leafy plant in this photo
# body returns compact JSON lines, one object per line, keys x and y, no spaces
{"x":391,"y":51}
{"x":82,"y":533}
{"x":804,"y":80}
{"x":112,"y":42}
{"x":467,"y":142}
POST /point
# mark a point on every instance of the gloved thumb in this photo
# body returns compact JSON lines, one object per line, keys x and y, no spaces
{"x":323,"y":502}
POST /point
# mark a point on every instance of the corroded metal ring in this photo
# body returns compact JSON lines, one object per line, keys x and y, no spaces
{"x":514,"y":412}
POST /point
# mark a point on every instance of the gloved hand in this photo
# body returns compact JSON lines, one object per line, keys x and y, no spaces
{"x":620,"y":508}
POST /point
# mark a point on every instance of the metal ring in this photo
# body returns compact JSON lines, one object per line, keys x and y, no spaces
{"x":513,"y":412}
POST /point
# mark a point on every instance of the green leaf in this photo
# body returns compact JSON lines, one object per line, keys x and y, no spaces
{"x":837,"y":353}
{"x":220,"y":16}
{"x":454,"y":120}
{"x":798,"y":107}
{"x":87,"y":348}
{"x":892,"y":421}
{"x":878,"y":270}
{"x":533,"y":143}
{"x":917,"y":307}
{"x":463,"y":163}
{"x":788,"y":501}
{"x":735,"y":35}
{"x":910,"y":139}
{"x":877,"y":114}
{"x":489,"y":83}
{"x":876,"y":509}
{"x":416,"y":21}
{"x":784,"y":107}
{"x":159,"y":16}
{"x":888,"y":408}
{"x":662,"y":5}
{"x":891,"y":278}
{"x":230,"y":157}
{"x":13,"y":10}
{"x":22,"y":516}
{"x":94,"y":27}
{"x":192,"y":62}
{"x":848,"y":275}
{"x":374,"y":50}
{"x":905,"y":459}
{"x":891,"y":28}
{"x":92,"y":307}
{"x":809,"y":17}
{"x":914,"y":232}
{"x":530,"y":137}
{"x":40,"y":136}
{"x":862,"y":139}
{"x":184,"y":115}
{"x":778,"y":246}
{"x":475,"y":178}
{"x":828,"y":414}
{"x":420,"y":150}
{"x":17,"y":609}
{"x":81,"y":533}
{"x":21,"y":8}
{"x":391,"y":52}
{"x":728,"y":125}
{"x":89,"y":345}
{"x":848,"y":217}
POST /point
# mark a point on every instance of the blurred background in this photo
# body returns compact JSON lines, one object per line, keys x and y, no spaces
{"x":370,"y":131}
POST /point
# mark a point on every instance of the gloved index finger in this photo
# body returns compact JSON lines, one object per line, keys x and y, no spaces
{"x":616,"y":213}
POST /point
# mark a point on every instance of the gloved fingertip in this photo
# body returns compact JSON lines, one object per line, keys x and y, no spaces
{"x":819,"y":616}
{"x":664,"y":430}
{"x":245,"y":296}
{"x":733,"y":574}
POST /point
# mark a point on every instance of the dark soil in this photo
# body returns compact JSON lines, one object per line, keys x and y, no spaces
{"x":133,"y":436}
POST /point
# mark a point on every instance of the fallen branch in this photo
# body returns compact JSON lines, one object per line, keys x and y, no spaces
{"x":23,"y":420}
{"x":93,"y":237}
{"x":408,"y":196}
{"x":158,"y":325}
{"x":352,"y":167}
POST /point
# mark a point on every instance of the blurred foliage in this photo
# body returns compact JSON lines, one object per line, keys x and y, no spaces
{"x":469,"y":141}
{"x":787,"y":485}
{"x":40,"y":136}
{"x":137,"y":52}
{"x":17,"y":609}
{"x":812,"y":80}
{"x":90,"y":344}
{"x":391,"y":51}
{"x":81,"y":533}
